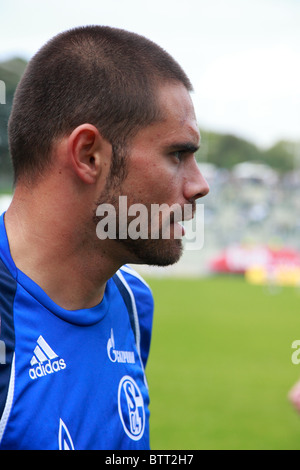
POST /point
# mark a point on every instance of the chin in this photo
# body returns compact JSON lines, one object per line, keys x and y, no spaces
{"x":154,"y":252}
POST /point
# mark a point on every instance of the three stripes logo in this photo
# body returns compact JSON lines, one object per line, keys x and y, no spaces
{"x":44,"y":360}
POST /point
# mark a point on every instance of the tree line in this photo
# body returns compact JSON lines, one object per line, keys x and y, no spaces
{"x":225,"y":151}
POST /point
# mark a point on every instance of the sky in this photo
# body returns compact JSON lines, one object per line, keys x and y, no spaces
{"x":242,"y":56}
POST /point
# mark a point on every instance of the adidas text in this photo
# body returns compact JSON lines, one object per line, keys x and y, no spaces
{"x":44,"y":360}
{"x":45,"y":369}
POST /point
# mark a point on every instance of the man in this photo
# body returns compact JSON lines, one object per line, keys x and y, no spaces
{"x":99,"y":113}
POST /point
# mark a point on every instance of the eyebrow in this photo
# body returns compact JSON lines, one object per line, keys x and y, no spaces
{"x":186,"y":147}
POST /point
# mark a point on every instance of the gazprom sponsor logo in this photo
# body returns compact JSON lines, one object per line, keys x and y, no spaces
{"x":116,"y":355}
{"x":44,"y":360}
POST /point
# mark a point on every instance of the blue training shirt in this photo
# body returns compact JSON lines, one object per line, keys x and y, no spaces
{"x":73,"y":379}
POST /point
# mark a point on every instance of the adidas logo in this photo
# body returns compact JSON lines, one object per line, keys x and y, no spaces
{"x":44,"y":360}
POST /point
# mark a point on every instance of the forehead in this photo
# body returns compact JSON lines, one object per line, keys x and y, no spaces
{"x":178,"y":113}
{"x":178,"y":122}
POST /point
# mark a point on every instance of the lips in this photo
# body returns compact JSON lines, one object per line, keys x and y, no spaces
{"x":183,"y":214}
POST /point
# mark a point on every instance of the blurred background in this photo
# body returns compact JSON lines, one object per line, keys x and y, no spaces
{"x":226,"y":316}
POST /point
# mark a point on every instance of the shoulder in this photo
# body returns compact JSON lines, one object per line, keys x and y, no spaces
{"x":8,"y":287}
{"x":135,"y":281}
{"x":138,"y":297}
{"x":139,"y":291}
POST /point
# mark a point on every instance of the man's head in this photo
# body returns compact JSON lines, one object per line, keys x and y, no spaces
{"x":102,"y":113}
{"x":103,"y":76}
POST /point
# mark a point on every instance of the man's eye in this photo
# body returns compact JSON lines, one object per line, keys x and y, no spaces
{"x":178,"y":155}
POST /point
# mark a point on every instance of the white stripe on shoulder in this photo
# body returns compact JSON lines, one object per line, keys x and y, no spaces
{"x":135,"y":313}
{"x":129,"y":270}
{"x":134,"y":309}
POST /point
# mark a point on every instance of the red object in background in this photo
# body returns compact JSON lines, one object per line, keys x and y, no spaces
{"x":238,"y":259}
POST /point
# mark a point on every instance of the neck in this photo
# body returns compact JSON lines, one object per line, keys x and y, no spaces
{"x":59,"y":251}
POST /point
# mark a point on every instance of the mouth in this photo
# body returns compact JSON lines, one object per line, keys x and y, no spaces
{"x":188,"y":218}
{"x":179,"y":224}
{"x":183,"y":214}
{"x":172,"y":222}
{"x":178,"y":230}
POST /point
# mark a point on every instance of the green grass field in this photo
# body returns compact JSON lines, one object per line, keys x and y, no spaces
{"x":220,"y":365}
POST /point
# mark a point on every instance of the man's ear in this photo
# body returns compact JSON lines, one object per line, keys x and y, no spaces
{"x":88,"y":152}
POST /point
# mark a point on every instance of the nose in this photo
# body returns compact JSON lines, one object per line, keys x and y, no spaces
{"x":196,"y":185}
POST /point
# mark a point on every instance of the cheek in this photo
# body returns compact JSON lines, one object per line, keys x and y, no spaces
{"x":153,"y":183}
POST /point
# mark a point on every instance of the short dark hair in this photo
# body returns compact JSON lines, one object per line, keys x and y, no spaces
{"x":97,"y":74}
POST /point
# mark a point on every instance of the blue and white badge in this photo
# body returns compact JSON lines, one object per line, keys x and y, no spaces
{"x":131,"y":408}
